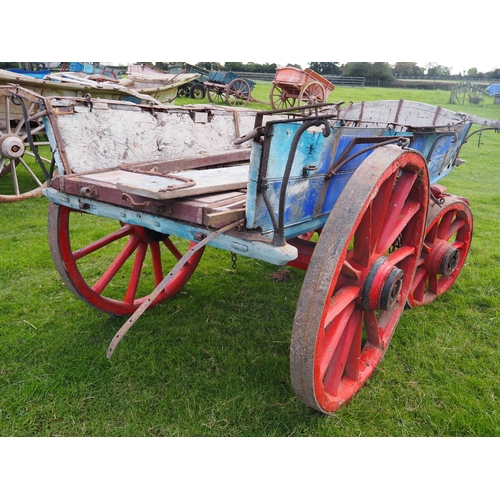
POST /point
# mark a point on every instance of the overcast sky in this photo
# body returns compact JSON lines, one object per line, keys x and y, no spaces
{"x":264,"y":31}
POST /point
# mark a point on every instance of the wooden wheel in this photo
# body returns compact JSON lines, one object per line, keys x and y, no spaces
{"x":358,"y":278}
{"x":446,"y":246}
{"x":216,"y":94}
{"x":197,"y":91}
{"x":280,"y":98}
{"x":114,"y":268}
{"x":238,"y":92}
{"x":312,"y":93}
{"x":21,"y":175}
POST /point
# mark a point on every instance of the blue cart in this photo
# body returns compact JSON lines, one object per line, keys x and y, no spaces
{"x":228,"y":87}
{"x":348,"y":194}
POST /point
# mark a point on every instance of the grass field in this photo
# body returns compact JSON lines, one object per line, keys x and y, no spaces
{"x":214,"y":360}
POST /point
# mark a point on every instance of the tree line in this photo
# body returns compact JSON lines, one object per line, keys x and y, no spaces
{"x":382,"y":72}
{"x":373,"y":72}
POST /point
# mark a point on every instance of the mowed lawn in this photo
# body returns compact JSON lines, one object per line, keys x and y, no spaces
{"x":214,"y":360}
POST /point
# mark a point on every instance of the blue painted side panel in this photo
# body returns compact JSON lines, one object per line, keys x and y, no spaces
{"x":308,"y":196}
{"x":440,"y":150}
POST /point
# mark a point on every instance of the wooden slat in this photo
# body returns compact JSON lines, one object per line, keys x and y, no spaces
{"x":166,"y":188}
{"x":190,"y":162}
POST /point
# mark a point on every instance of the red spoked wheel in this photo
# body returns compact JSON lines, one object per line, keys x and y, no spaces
{"x":114,"y":269}
{"x":238,"y":92}
{"x":312,"y":93}
{"x":445,"y":249}
{"x":358,"y":278}
{"x":281,"y":99}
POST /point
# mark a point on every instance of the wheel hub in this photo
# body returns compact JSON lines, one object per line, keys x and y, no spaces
{"x":443,"y":259}
{"x":11,"y":146}
{"x":382,"y":286}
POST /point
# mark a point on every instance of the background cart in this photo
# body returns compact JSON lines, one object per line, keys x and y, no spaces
{"x":226,"y":86}
{"x":22,"y":136}
{"x":350,"y":196}
{"x":293,"y":87}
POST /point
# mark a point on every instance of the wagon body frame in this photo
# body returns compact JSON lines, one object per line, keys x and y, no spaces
{"x":361,"y":178}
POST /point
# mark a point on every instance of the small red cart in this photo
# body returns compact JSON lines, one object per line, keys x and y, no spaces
{"x":294,"y":87}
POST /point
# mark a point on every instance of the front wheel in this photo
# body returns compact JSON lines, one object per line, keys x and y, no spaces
{"x":281,"y":99}
{"x":216,"y":94}
{"x":197,"y":91}
{"x":114,"y":267}
{"x":358,"y":278}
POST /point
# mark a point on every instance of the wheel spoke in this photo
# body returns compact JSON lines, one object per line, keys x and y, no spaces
{"x":363,"y":241}
{"x":420,"y":283}
{"x":348,"y":341}
{"x":444,"y":226}
{"x":102,"y":242}
{"x":400,"y":254}
{"x":338,"y":303}
{"x":157,"y":265}
{"x":173,"y":249}
{"x":391,"y":224}
{"x":136,"y":272}
{"x":372,"y":328}
{"x":28,"y":169}
{"x":454,"y":228}
{"x":13,"y":171}
{"x":117,"y":264}
{"x":333,"y":333}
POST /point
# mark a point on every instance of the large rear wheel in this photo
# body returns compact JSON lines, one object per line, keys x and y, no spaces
{"x":114,"y":267}
{"x":358,"y":278}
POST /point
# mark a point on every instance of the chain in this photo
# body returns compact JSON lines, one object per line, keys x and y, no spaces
{"x":233,"y":259}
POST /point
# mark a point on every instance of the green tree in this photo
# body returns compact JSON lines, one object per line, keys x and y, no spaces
{"x":406,"y":69}
{"x":4,"y":65}
{"x":436,"y":70}
{"x":325,"y":68}
{"x":374,"y":73}
{"x":494,"y":74}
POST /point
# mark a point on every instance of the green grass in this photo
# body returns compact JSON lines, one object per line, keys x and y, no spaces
{"x":213,"y":361}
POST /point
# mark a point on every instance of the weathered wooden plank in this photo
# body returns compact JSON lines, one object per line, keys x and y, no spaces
{"x":191,"y":162}
{"x":167,"y":187}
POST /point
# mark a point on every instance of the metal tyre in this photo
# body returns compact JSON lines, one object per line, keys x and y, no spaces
{"x":447,"y":241}
{"x":20,"y":173}
{"x":111,"y":267}
{"x":358,"y":278}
